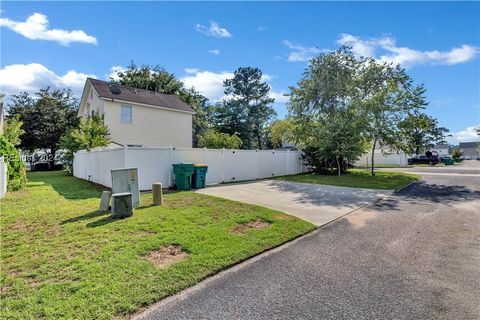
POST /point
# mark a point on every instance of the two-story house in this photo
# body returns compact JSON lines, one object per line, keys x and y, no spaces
{"x":138,"y":117}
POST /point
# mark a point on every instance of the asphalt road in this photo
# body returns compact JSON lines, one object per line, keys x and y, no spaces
{"x":413,"y":255}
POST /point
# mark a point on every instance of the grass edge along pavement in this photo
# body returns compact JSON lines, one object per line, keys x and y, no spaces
{"x":61,"y":258}
{"x":357,"y":178}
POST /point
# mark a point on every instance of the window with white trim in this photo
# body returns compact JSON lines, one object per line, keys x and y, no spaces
{"x":126,"y":114}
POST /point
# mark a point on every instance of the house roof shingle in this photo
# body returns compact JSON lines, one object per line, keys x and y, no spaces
{"x":141,"y":96}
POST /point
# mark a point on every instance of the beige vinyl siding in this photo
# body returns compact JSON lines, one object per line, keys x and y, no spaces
{"x":94,"y":102}
{"x":150,"y":127}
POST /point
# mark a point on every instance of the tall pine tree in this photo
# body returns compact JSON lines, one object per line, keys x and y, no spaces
{"x":247,"y":108}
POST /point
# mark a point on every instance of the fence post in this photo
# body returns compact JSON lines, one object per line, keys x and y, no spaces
{"x":273,"y":163}
{"x":169,"y":167}
{"x":288,"y":162}
{"x":301,"y":163}
{"x":125,"y":154}
{"x":223,"y":165}
{"x":204,"y":155}
{"x":257,"y":176}
{"x":85,"y":154}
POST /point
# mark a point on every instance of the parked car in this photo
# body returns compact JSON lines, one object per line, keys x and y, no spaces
{"x":421,"y":159}
{"x":478,"y":157}
{"x":467,"y":158}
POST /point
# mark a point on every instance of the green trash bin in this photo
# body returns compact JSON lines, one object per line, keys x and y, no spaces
{"x":199,"y":176}
{"x":183,"y":175}
{"x":448,"y":162}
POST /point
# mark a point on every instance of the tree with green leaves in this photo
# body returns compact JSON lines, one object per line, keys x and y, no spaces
{"x":219,"y":140}
{"x":327,"y":118}
{"x":12,"y":130}
{"x":16,"y":174}
{"x":281,"y":132}
{"x":421,"y":132}
{"x":386,"y":95}
{"x":46,"y":116}
{"x":247,"y":108}
{"x":91,"y":132}
{"x":156,"y":78}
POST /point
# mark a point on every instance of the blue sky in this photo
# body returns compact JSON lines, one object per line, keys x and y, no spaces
{"x":203,"y":43}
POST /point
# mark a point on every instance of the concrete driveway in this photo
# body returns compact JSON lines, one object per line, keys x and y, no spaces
{"x":318,"y":204}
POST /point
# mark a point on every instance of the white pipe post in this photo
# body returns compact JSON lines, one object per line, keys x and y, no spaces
{"x":288,"y":162}
{"x":222,"y":165}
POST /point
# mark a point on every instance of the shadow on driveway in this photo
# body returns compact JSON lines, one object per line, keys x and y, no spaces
{"x":324,"y":195}
{"x":318,"y":204}
{"x":423,"y":192}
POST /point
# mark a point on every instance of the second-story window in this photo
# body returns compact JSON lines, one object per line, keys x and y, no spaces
{"x":126,"y":114}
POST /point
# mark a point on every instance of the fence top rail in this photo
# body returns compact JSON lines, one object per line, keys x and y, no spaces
{"x":99,"y":150}
{"x":187,"y":149}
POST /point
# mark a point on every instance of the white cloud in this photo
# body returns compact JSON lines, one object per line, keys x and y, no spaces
{"x":279,"y":97}
{"x":215,"y":52}
{"x":385,"y":49}
{"x":36,"y":28}
{"x":213,"y":31}
{"x":191,"y":70}
{"x":210,"y":83}
{"x":113,"y":72}
{"x":266,"y":77}
{"x":360,"y":47}
{"x":467,"y":135}
{"x":301,"y":53}
{"x":34,"y":76}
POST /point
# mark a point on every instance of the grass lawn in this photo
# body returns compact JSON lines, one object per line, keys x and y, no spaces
{"x":358,"y":178}
{"x":381,"y":166}
{"x":61,"y":259}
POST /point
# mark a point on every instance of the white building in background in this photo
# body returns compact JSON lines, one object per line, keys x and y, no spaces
{"x":441,"y":149}
{"x":138,"y":117}
{"x":383,"y":156}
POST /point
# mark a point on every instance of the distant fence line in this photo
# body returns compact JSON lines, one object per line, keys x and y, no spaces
{"x":155,"y":164}
{"x":3,"y":177}
{"x":382,"y":159}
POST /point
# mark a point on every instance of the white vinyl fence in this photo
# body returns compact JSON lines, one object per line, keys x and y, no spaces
{"x":380,"y":158}
{"x":155,"y":164}
{"x":3,"y":177}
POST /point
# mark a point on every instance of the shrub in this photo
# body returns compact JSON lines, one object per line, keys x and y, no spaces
{"x":456,"y":153}
{"x":17,"y":176}
{"x":219,"y":140}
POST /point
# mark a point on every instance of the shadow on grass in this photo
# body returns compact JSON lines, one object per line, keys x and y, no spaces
{"x":94,"y":214}
{"x":103,"y":221}
{"x":87,"y":216}
{"x":145,"y":207}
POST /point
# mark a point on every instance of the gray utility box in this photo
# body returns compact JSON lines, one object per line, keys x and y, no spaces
{"x":122,"y":205}
{"x":126,"y":180}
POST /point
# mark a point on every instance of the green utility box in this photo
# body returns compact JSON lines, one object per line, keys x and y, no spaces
{"x":183,"y":175}
{"x":448,"y":162}
{"x":199,"y":176}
